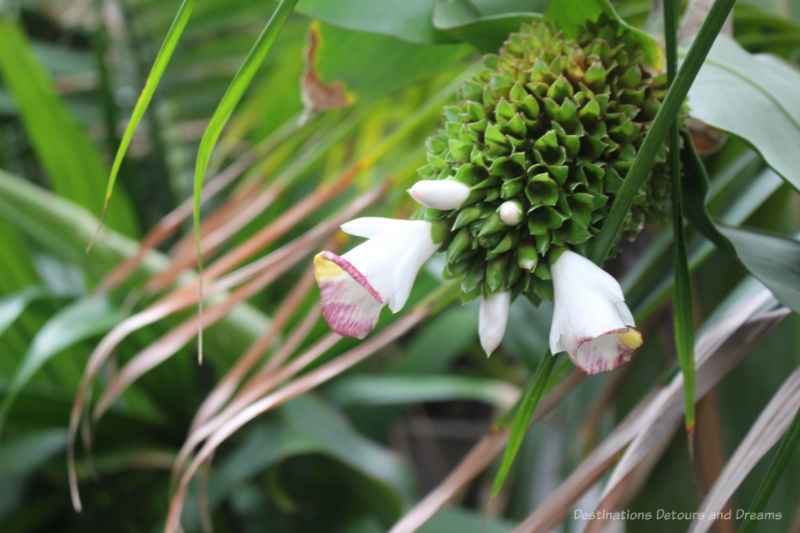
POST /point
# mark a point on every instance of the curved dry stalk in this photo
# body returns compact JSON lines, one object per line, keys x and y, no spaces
{"x":291,"y":390}
{"x":717,"y":351}
{"x":186,"y":296}
{"x":217,"y":232}
{"x":256,"y":388}
{"x":172,"y":221}
{"x":223,"y":390}
{"x":713,"y":362}
{"x":770,"y":426}
{"x":479,"y":457}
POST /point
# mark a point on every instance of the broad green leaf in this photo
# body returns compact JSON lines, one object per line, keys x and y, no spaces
{"x":160,"y":63}
{"x":81,"y":320}
{"x":571,"y":17}
{"x":363,"y":66}
{"x":390,"y":390}
{"x":13,"y":305}
{"x":483,"y":24}
{"x":410,"y":20}
{"x":73,"y":165}
{"x":753,"y":97}
{"x":772,"y":259}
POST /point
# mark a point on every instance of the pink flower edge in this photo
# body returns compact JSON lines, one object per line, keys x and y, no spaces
{"x":350,"y":304}
{"x":606,"y":351}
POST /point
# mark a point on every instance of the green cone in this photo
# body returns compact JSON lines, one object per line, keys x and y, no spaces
{"x":553,"y":124}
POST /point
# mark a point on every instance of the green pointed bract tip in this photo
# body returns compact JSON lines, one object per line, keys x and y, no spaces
{"x":551,"y":124}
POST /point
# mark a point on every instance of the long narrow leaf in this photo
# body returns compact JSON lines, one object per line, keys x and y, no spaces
{"x":778,"y":467}
{"x":524,"y":413}
{"x":229,"y":100}
{"x":162,"y":59}
{"x":682,"y":315}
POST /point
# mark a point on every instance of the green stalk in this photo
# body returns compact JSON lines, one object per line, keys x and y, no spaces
{"x":645,"y":159}
{"x":530,"y":399}
{"x":778,"y":466}
{"x":682,"y":313}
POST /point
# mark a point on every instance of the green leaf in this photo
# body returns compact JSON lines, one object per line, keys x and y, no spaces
{"x":162,"y":59}
{"x":227,"y":104}
{"x":21,"y":455}
{"x":682,"y":312}
{"x":772,"y":259}
{"x":527,"y":406}
{"x":571,"y":17}
{"x":390,"y":390}
{"x":365,"y":66}
{"x":776,"y":468}
{"x":410,"y":20}
{"x":465,"y":521}
{"x":80,"y":320}
{"x":762,"y":90}
{"x":73,"y":165}
{"x":13,"y":305}
{"x":487,"y":31}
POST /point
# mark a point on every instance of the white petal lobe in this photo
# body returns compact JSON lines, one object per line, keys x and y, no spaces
{"x":492,"y":320}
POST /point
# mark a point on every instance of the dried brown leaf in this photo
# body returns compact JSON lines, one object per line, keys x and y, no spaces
{"x":479,"y":457}
{"x":291,"y":390}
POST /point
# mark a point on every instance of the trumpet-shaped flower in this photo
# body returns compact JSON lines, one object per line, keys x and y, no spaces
{"x":590,"y":320}
{"x":439,"y":194}
{"x":355,"y":287}
{"x":492,"y":320}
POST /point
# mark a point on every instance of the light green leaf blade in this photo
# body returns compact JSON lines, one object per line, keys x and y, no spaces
{"x":81,"y":320}
{"x":391,"y":390}
{"x":753,"y":97}
{"x":482,"y":24}
{"x":159,"y":65}
{"x":239,"y":84}
{"x":409,"y":20}
{"x":73,"y":165}
{"x":364,"y":66}
{"x":13,"y":305}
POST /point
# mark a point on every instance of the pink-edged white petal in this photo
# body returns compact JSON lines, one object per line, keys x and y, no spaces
{"x":492,"y":320}
{"x":591,"y":321}
{"x":350,"y":305}
{"x":439,"y":194}
{"x":356,"y":286}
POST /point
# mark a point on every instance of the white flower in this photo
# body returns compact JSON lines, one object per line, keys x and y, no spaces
{"x":355,"y":287}
{"x":439,"y":194}
{"x":510,"y":212}
{"x":590,"y":320}
{"x":492,"y":320}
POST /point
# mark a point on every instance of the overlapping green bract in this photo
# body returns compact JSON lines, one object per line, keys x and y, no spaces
{"x":553,"y":124}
